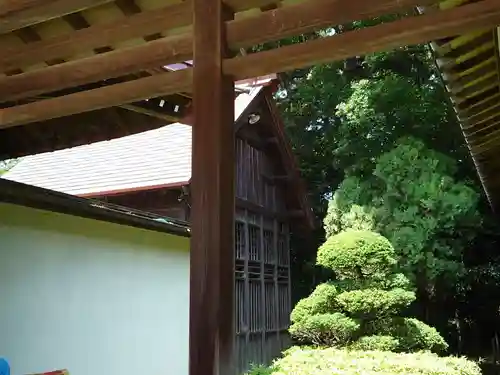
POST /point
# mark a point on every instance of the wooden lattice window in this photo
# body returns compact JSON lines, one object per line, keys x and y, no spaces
{"x":283,"y":251}
{"x":240,"y":316}
{"x":255,"y":305}
{"x":269,"y":250}
{"x":283,"y":306}
{"x":239,"y":240}
{"x":254,"y":242}
{"x":271,"y":306}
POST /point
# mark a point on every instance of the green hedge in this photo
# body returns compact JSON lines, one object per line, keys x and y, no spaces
{"x":330,"y":361}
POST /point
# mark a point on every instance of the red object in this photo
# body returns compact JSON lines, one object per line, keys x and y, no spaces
{"x":56,"y":372}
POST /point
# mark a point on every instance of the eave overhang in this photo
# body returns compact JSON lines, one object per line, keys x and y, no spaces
{"x":469,"y":65}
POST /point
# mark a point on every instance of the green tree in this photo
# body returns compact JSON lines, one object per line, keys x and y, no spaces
{"x":340,"y":121}
{"x":412,"y":198}
{"x":363,"y":308}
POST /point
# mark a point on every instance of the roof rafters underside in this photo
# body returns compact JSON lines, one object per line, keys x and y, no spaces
{"x":470,"y":66}
{"x":61,"y":58}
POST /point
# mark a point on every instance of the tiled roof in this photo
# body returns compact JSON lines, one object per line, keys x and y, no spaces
{"x":159,"y":157}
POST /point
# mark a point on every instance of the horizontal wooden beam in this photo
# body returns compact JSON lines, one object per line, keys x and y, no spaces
{"x":412,"y":30}
{"x":147,"y":22}
{"x":408,"y":31}
{"x":268,"y":213}
{"x":104,"y":97}
{"x":268,"y":26}
{"x":94,"y":69}
{"x":15,"y":14}
{"x":63,"y":46}
{"x":308,"y":16}
{"x":149,"y":112}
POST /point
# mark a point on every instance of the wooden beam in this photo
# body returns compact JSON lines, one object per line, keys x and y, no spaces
{"x":309,"y":16}
{"x":211,"y":315}
{"x":149,"y":112}
{"x":15,"y":14}
{"x":408,"y":31}
{"x":268,"y":26}
{"x":97,"y":36}
{"x":93,"y":69}
{"x":104,"y":97}
{"x":147,"y":22}
{"x":412,"y":30}
{"x":268,"y":213}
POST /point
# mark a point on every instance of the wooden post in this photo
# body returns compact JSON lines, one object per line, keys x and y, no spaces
{"x":213,"y":199}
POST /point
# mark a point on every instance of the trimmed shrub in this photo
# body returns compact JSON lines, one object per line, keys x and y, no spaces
{"x":363,"y":309}
{"x":416,"y":335}
{"x":325,"y":329}
{"x":372,"y":303}
{"x":321,"y":301}
{"x":412,"y":334}
{"x":330,"y":361}
{"x":357,"y":254}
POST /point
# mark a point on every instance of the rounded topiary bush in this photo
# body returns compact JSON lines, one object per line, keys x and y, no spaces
{"x":330,"y":361}
{"x":412,"y":334}
{"x":326,"y":329}
{"x":321,"y":300}
{"x":373,"y":303}
{"x":358,"y":254}
{"x":364,"y":308}
{"x":416,"y":335}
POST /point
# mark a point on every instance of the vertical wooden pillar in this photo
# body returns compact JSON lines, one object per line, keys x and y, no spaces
{"x":213,"y":199}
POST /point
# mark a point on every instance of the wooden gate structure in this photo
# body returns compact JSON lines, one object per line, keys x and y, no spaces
{"x":63,"y":58}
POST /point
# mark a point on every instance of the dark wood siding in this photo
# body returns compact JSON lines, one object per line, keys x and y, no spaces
{"x":253,"y":172}
{"x":262,"y":259}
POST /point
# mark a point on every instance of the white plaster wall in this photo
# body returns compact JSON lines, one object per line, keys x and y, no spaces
{"x":92,"y":297}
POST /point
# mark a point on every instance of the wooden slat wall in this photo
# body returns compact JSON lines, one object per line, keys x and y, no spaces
{"x":253,"y":165}
{"x":262,"y":264}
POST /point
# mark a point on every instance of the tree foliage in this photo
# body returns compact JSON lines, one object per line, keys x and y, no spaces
{"x":412,"y":198}
{"x":341,"y":119}
{"x":362,"y":309}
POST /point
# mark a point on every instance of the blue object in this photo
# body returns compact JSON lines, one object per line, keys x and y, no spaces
{"x":4,"y":367}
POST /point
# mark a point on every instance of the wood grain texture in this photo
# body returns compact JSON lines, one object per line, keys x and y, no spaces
{"x":213,"y":197}
{"x":104,"y":97}
{"x":268,"y":26}
{"x":15,"y":14}
{"x":408,"y":31}
{"x":383,"y":37}
{"x":97,"y":36}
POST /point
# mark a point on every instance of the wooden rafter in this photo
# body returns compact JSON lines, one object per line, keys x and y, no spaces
{"x":469,"y":63}
{"x":412,"y":30}
{"x":108,"y":96}
{"x":100,"y":35}
{"x":15,"y":14}
{"x":268,"y":26}
{"x":149,"y":112}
